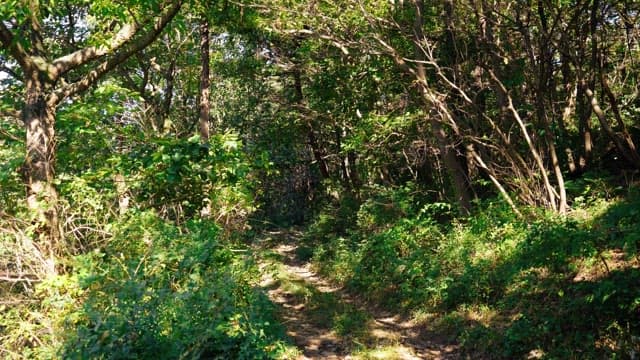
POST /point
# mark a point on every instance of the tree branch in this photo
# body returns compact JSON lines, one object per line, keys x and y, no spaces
{"x":19,"y":279}
{"x":78,"y":58}
{"x":11,"y":113}
{"x":124,"y":50}
{"x":13,"y":46}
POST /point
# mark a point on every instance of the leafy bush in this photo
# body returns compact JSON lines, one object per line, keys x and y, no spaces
{"x":159,"y":292}
{"x":187,"y":175}
{"x":536,"y":285}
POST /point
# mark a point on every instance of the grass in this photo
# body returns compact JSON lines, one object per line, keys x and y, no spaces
{"x":392,"y":352}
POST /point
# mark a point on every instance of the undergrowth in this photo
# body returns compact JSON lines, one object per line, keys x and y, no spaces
{"x":140,"y":274}
{"x":503,"y":286}
{"x":156,"y":291}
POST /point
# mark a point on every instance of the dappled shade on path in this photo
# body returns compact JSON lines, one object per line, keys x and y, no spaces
{"x":327,"y":322}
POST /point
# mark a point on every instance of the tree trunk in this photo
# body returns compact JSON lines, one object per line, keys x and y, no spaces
{"x":545,"y":74}
{"x":452,"y":164}
{"x":39,"y":121}
{"x":316,"y":150}
{"x":318,"y":153}
{"x":447,"y":152}
{"x":494,"y":179}
{"x":205,"y":105}
{"x":26,"y":46}
{"x":629,"y":154}
{"x":583,"y":109}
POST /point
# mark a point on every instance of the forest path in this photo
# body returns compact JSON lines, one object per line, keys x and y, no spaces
{"x":327,"y":322}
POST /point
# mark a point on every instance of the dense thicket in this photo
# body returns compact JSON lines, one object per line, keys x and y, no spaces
{"x":455,"y":157}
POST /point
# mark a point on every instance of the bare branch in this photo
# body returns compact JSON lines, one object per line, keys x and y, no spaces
{"x":340,"y":44}
{"x":10,"y":136}
{"x":19,"y":279}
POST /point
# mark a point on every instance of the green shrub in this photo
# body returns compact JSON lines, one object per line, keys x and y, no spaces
{"x":161,"y":292}
{"x":524,"y":269}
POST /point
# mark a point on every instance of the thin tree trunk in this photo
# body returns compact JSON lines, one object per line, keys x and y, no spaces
{"x":545,"y":73}
{"x":631,"y":152}
{"x":447,"y":153}
{"x":205,"y":106}
{"x":43,"y":92}
{"x":584,"y":109}
{"x":352,"y":159}
{"x":590,"y":86}
{"x":520,"y":167}
{"x":121,"y":190}
{"x":551,"y":200}
{"x":344,"y":171}
{"x":484,"y":14}
{"x":164,"y":109}
{"x":452,"y":164}
{"x":494,"y":179}
{"x":318,"y":153}
{"x":503,"y":98}
{"x":569,"y":108}
{"x":620,"y":146}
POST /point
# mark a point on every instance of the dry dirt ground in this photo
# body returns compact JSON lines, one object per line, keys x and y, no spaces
{"x":327,"y":322}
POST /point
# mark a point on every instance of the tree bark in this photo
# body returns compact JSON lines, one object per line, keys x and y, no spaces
{"x":545,"y":73}
{"x":629,"y":154}
{"x":204,"y":103}
{"x":39,"y":165}
{"x":584,"y":109}
{"x":316,"y":150}
{"x":205,"y":106}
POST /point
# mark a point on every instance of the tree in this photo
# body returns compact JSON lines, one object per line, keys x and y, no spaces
{"x":53,"y":71}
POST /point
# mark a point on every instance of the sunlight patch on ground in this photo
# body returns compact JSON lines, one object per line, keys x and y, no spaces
{"x":609,"y":260}
{"x":396,"y":352}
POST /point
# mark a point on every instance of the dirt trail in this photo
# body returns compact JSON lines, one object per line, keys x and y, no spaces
{"x":327,"y":322}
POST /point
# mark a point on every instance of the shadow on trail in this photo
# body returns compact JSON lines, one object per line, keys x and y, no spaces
{"x":327,"y":322}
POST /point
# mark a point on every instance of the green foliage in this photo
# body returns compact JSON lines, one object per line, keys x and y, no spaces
{"x":160,"y":292}
{"x":147,"y":282}
{"x":10,"y":162}
{"x":504,"y":286}
{"x":154,"y":290}
{"x":187,"y":174}
{"x":325,"y":113}
{"x":335,"y":219}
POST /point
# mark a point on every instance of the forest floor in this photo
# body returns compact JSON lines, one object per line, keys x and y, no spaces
{"x":328,"y":322}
